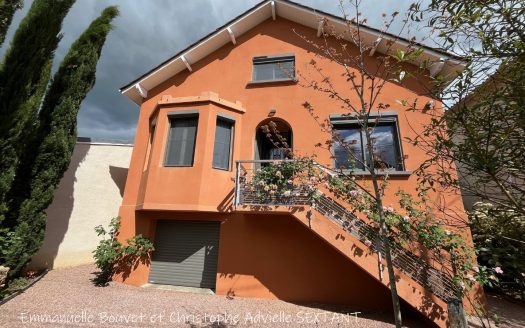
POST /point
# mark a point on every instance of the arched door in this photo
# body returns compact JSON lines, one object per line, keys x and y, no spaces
{"x":273,"y":140}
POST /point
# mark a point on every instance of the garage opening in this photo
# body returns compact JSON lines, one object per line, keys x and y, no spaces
{"x":185,"y":254}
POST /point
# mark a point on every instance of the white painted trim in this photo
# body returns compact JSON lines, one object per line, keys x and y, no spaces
{"x":274,"y":14}
{"x":436,"y":67}
{"x":185,"y":61}
{"x":103,"y":144}
{"x":141,"y":90}
{"x":232,"y":36}
{"x":320,"y":27}
{"x":376,"y":44}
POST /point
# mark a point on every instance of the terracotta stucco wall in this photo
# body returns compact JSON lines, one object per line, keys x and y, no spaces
{"x":227,"y":73}
{"x":89,"y":194}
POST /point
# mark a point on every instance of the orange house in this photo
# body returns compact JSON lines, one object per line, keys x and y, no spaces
{"x":199,"y":129}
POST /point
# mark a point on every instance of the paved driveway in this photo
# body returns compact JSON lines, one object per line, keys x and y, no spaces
{"x":67,"y":298}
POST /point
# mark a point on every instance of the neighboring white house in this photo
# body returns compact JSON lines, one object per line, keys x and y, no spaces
{"x":89,"y":194}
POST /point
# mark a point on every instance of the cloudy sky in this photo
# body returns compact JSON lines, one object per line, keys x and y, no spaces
{"x":145,"y":34}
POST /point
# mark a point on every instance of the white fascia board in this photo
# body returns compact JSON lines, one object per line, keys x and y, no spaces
{"x":133,"y":95}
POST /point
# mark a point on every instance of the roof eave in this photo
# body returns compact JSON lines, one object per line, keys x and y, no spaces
{"x":230,"y":31}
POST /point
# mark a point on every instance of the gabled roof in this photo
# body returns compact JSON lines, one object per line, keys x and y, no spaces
{"x":136,"y":90}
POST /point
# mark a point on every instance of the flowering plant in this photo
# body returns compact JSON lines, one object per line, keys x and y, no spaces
{"x":282,"y":179}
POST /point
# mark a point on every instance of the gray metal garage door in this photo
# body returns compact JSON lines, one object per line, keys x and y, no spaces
{"x":185,"y":253}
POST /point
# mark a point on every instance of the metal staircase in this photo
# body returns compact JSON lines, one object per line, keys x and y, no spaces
{"x":416,"y":268}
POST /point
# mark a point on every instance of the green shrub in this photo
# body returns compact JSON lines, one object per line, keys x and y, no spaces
{"x":499,"y":240}
{"x":110,"y":252}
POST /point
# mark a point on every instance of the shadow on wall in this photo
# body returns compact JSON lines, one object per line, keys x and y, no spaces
{"x":59,"y":212}
{"x":119,"y":176}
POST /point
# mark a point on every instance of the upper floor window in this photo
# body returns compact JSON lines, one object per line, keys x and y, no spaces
{"x":223,"y":143}
{"x":351,"y":148}
{"x":181,"y":140}
{"x":274,"y":68}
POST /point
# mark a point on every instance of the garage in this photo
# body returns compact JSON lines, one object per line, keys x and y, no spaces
{"x":185,"y":253}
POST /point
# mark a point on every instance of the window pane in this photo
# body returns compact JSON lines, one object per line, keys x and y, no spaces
{"x":385,"y":147}
{"x":181,"y":143}
{"x":284,"y":70}
{"x":351,"y":144}
{"x":222,"y":147}
{"x":264,"y":72}
{"x":276,"y":68}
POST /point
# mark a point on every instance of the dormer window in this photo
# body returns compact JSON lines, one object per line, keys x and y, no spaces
{"x":274,"y":68}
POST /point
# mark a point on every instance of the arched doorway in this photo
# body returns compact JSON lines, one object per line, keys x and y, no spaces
{"x":273,"y":140}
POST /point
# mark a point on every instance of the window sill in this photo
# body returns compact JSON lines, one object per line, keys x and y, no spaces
{"x":265,"y":82}
{"x":380,"y":173}
{"x":221,"y":169}
{"x":175,"y":166}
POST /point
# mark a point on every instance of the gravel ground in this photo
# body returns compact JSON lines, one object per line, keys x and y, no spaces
{"x":510,"y":314}
{"x":68,"y":294}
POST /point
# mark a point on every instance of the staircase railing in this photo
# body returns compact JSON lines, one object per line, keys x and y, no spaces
{"x":432,"y":279}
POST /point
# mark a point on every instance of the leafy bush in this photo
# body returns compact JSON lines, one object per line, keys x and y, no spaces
{"x":110,"y":252}
{"x":499,"y":240}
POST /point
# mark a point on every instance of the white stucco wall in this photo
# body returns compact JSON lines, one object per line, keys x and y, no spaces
{"x":89,"y":194}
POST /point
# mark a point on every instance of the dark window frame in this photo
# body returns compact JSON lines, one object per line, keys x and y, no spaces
{"x":385,"y":119}
{"x":231,"y":121}
{"x":274,"y":59}
{"x":181,"y":115}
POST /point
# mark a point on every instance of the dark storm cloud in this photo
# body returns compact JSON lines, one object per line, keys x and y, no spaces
{"x":145,"y":34}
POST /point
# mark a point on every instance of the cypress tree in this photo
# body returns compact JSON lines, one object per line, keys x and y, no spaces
{"x":24,"y":76}
{"x":7,"y":10}
{"x":56,"y":136}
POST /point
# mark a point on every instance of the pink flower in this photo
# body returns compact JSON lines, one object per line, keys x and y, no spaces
{"x":287,"y":193}
{"x":272,"y":192}
{"x":406,"y":218}
{"x":368,"y":243}
{"x":471,"y":277}
{"x":498,"y":270}
{"x":278,"y":174}
{"x":476,"y":269}
{"x":447,"y":232}
{"x":462,"y":284}
{"x":266,"y":188}
{"x":388,"y":209}
{"x":354,"y":193}
{"x":290,"y":181}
